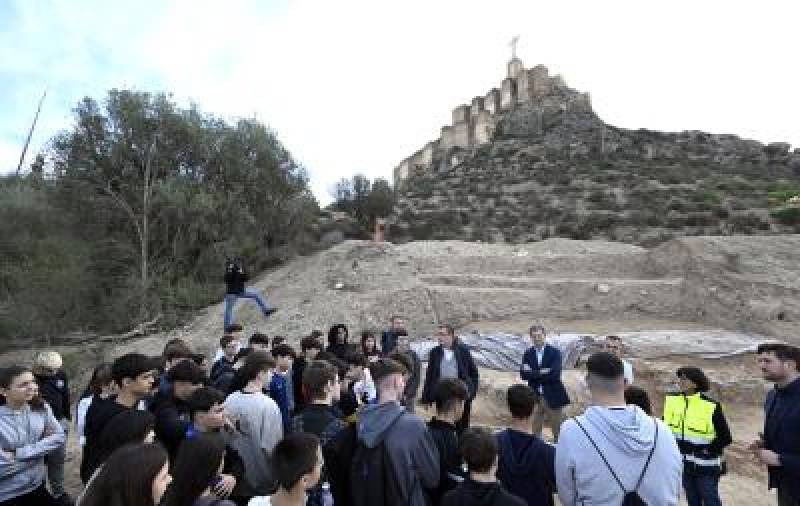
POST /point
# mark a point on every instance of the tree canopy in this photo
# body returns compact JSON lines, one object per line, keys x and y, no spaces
{"x":131,"y":212}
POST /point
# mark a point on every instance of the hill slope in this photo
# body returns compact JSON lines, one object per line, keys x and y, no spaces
{"x":550,"y":171}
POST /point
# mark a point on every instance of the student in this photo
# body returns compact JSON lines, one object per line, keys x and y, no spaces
{"x":779,"y":446}
{"x":101,"y":385}
{"x":134,"y":375}
{"x":134,"y":475}
{"x":397,"y":327}
{"x":28,"y":433}
{"x":369,"y":346}
{"x":481,"y":488}
{"x":321,"y":382}
{"x":337,"y":341}
{"x":234,"y":330}
{"x":128,"y":427}
{"x":235,"y":278}
{"x":175,"y":351}
{"x":225,"y":364}
{"x":613,"y":449}
{"x":408,"y":363}
{"x":310,"y":347}
{"x":526,"y":464}
{"x":363,"y":385}
{"x":638,"y":396}
{"x":449,"y":397}
{"x":207,"y":411}
{"x":196,"y":471}
{"x":412,"y":384}
{"x":393,"y":443}
{"x":614,"y":346}
{"x":259,"y":423}
{"x":702,"y":433}
{"x":298,"y":467}
{"x":258,"y":341}
{"x":225,"y":381}
{"x":451,"y":359}
{"x":280,"y":387}
{"x":170,"y":408}
{"x":54,"y":390}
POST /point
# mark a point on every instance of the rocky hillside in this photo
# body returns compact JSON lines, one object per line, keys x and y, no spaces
{"x":554,"y":172}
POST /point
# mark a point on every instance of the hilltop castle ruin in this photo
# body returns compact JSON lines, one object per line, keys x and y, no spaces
{"x":475,"y":123}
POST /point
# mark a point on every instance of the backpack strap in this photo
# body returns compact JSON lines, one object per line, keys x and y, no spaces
{"x":649,"y":457}
{"x":616,"y":478}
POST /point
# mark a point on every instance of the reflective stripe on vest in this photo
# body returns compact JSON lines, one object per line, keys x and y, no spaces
{"x":690,"y":418}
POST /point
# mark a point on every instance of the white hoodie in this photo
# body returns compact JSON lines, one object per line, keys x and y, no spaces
{"x":625,"y":437}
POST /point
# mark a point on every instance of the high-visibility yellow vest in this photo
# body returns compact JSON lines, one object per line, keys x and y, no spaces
{"x":690,"y":417}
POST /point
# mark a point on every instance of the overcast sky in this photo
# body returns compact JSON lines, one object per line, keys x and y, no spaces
{"x":355,"y":86}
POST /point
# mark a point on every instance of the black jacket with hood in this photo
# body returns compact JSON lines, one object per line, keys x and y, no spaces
{"x":55,"y":390}
{"x":473,"y":493}
{"x":526,"y":466}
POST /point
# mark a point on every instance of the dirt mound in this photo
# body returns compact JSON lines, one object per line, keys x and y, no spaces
{"x":674,"y":305}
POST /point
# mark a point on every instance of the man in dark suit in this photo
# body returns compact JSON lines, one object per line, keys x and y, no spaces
{"x":541,"y":368}
{"x":451,"y":359}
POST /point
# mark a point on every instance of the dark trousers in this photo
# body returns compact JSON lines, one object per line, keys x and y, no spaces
{"x":463,"y":424}
{"x":701,"y":489}
{"x":39,"y":497}
{"x":785,"y":498}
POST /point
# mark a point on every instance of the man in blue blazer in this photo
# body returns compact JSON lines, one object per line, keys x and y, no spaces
{"x":541,"y":368}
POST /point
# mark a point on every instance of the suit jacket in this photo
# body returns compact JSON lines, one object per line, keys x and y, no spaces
{"x":552,"y":389}
{"x":467,"y":371}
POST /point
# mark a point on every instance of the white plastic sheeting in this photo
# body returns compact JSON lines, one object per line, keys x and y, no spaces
{"x":503,"y":352}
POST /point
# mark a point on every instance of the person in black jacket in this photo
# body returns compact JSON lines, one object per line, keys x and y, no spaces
{"x":54,"y":389}
{"x":170,"y":408}
{"x":481,"y":488}
{"x":397,"y":328}
{"x":134,"y":374}
{"x":451,"y":359}
{"x":321,"y":383}
{"x":235,"y":278}
{"x":310,"y":347}
{"x":449,"y":397}
{"x":526,"y":465}
{"x":337,"y":341}
{"x":207,"y":414}
{"x":779,"y":447}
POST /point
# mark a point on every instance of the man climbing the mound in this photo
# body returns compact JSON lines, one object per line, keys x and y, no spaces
{"x":235,"y":278}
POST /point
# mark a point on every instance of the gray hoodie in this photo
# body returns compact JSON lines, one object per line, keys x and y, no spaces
{"x":30,"y":435}
{"x":625,"y":437}
{"x":411,"y":452}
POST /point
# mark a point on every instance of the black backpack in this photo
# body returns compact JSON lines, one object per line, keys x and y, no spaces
{"x":632,"y":497}
{"x":370,"y":481}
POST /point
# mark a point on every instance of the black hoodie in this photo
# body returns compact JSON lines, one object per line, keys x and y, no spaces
{"x":473,"y":493}
{"x":526,"y":466}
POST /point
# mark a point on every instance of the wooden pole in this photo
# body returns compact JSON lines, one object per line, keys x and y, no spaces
{"x":30,"y":133}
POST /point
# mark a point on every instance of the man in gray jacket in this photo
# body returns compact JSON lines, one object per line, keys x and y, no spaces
{"x":614,"y":449}
{"x":411,"y":457}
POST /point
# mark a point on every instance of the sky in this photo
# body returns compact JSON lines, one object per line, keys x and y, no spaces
{"x":356,"y":86}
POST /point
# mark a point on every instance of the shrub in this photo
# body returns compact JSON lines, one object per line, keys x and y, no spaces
{"x":787,"y":215}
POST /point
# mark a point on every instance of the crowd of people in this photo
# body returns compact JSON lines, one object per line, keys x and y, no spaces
{"x":335,"y":424}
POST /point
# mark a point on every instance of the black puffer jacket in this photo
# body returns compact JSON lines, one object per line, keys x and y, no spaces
{"x":55,"y":391}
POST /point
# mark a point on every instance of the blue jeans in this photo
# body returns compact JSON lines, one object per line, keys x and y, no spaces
{"x":702,"y":489}
{"x":231,"y":298}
